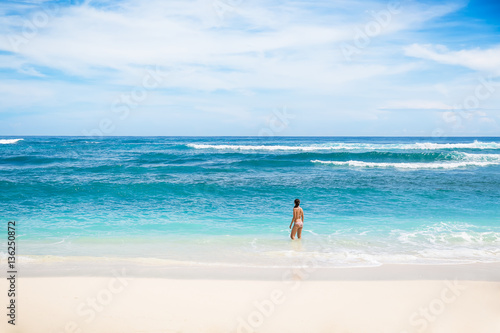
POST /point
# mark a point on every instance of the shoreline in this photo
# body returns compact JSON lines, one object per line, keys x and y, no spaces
{"x":89,"y":267}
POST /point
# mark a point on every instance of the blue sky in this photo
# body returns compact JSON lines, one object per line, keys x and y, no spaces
{"x":241,"y":67}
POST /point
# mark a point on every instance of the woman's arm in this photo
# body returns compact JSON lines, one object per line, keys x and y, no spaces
{"x":293,"y":215}
{"x":302,"y":211}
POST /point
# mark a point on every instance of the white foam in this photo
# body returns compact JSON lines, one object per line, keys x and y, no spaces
{"x":448,"y":235}
{"x":478,"y":157}
{"x":260,"y":147}
{"x":474,"y":145}
{"x":410,"y":166}
{"x":352,"y":146}
{"x":9,"y":141}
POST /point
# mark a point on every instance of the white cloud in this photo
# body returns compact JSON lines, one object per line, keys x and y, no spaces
{"x":30,"y":71}
{"x":416,"y":105}
{"x":484,"y":60}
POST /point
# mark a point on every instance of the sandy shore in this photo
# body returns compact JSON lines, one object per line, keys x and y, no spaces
{"x":384,"y":299}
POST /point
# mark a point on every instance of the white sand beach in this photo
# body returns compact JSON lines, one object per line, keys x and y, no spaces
{"x":399,"y":299}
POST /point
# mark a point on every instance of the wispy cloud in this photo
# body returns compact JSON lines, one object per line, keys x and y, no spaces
{"x":417,"y":105}
{"x":261,"y":44}
{"x":485,"y":60}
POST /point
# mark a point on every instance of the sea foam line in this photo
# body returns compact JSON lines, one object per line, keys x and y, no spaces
{"x":440,"y":165}
{"x":478,"y":157}
{"x":352,"y":146}
{"x":9,"y":141}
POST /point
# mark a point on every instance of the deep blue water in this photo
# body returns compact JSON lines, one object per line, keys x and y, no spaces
{"x":229,"y":200}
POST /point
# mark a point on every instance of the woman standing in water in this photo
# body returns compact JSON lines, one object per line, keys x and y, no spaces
{"x":297,"y":220}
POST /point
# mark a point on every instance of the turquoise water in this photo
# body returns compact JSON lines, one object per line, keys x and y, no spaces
{"x":229,"y":200}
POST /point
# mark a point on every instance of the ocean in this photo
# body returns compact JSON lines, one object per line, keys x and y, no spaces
{"x":228,"y":200}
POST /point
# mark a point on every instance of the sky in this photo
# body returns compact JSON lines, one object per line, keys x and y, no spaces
{"x":250,"y":67}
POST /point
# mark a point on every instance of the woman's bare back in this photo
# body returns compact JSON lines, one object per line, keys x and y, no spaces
{"x":298,"y":214}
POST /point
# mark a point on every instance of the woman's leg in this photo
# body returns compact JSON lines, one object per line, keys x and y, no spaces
{"x":299,"y":232}
{"x":294,"y":230}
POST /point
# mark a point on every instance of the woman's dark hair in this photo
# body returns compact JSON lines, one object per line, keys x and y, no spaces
{"x":297,"y":203}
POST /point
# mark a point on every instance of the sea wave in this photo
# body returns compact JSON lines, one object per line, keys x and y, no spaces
{"x":351,"y":146}
{"x":458,"y":160}
{"x":9,"y":141}
{"x":478,"y":157}
{"x":445,"y":234}
{"x":439,"y":165}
